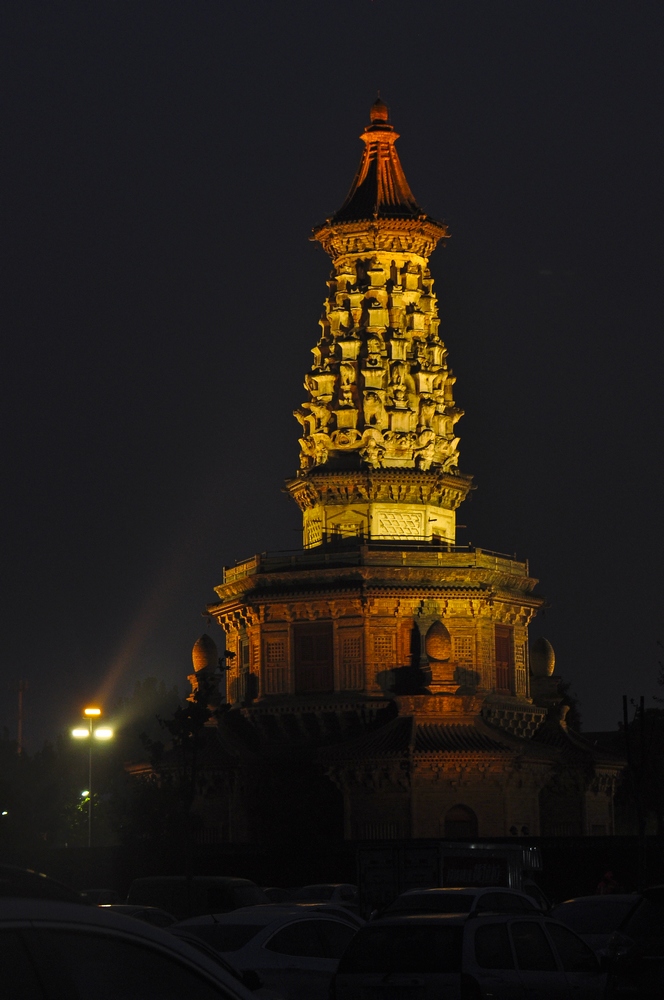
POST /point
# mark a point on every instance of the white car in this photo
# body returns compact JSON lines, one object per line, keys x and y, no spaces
{"x":488,"y":899}
{"x":52,"y":949}
{"x":294,"y":951}
{"x":502,"y":956}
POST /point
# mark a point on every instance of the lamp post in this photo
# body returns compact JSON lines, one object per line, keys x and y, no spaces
{"x":88,"y":733}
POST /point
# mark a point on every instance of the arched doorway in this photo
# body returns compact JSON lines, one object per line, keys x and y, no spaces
{"x":460,"y":823}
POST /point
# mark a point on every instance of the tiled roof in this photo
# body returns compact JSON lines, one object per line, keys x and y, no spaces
{"x":573,"y":745}
{"x":435,"y":738}
{"x":406,"y":736}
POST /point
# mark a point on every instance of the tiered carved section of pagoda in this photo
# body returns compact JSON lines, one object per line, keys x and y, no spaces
{"x":378,"y":505}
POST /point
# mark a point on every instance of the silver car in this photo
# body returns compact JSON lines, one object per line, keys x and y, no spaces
{"x":487,"y":899}
{"x":50,"y":950}
{"x":295,"y":950}
{"x":502,"y":956}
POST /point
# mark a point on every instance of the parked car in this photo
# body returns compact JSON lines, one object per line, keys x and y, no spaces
{"x":636,"y":949}
{"x":341,"y":893}
{"x":101,"y":897}
{"x":188,"y":897}
{"x":294,"y":950}
{"x":596,"y":918}
{"x":53,"y":949}
{"x":150,"y":914}
{"x":249,"y":979}
{"x":490,"y":899}
{"x":276,"y":894}
{"x":24,"y":883}
{"x":502,"y":956}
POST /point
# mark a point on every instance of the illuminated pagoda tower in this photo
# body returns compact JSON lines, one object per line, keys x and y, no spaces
{"x":383,"y":654}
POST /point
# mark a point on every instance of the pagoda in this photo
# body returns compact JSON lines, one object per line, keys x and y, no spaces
{"x":382,"y":667}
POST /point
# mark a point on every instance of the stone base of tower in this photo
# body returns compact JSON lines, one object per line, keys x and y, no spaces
{"x":384,"y":691}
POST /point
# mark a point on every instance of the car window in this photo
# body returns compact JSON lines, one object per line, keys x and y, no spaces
{"x":492,"y":947}
{"x":574,"y":954}
{"x":646,"y":925}
{"x":432,"y":902}
{"x":504,"y":902}
{"x":300,"y":938}
{"x":403,"y":949}
{"x":106,"y":967}
{"x":335,"y":936}
{"x":19,"y":977}
{"x":225,"y":937}
{"x":533,"y":951}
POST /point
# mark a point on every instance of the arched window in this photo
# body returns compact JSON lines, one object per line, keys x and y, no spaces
{"x":460,"y":823}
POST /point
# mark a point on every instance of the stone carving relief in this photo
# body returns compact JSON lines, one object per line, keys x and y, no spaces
{"x":380,"y":385}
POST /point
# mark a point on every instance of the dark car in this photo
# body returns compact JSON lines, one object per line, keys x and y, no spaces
{"x":24,"y":883}
{"x":149,"y":914}
{"x":596,"y":918}
{"x":59,"y":950}
{"x":191,"y":897}
{"x":636,"y":949}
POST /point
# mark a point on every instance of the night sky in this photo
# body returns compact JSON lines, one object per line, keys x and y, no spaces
{"x":163,"y":164}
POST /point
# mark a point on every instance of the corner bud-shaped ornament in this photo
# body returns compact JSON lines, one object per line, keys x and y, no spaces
{"x":543,"y":685}
{"x":205,"y":653}
{"x":205,"y":658}
{"x":438,"y":647}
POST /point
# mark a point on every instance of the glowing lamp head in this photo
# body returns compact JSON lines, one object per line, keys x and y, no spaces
{"x":80,"y":734}
{"x":92,"y":711}
{"x":85,"y":794}
{"x":104,"y":733}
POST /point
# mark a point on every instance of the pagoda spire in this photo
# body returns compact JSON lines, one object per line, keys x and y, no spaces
{"x":380,"y":188}
{"x":380,"y":211}
{"x":378,"y":444}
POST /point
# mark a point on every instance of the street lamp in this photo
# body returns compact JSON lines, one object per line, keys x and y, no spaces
{"x":88,"y":733}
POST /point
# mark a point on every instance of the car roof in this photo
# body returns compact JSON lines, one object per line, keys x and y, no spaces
{"x":19,"y":911}
{"x":195,"y":878}
{"x":419,"y":918}
{"x":451,"y":918}
{"x":465,"y":890}
{"x":328,"y":885}
{"x":268,"y":913}
{"x":613,"y":897}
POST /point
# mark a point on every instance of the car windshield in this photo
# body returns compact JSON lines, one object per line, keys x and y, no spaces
{"x":594,"y":916}
{"x":225,"y":937}
{"x":432,"y":902}
{"x":403,"y":949}
{"x":313,"y":893}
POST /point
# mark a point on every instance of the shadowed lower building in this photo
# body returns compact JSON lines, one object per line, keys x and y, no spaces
{"x":383,"y":663}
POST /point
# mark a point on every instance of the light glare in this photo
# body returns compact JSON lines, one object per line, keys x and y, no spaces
{"x":80,"y":734}
{"x":92,"y":711}
{"x":104,"y":734}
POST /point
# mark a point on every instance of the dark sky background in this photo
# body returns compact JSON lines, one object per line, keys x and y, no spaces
{"x":163,"y":164}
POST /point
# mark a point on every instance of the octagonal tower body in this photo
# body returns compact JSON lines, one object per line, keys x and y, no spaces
{"x":381,"y":618}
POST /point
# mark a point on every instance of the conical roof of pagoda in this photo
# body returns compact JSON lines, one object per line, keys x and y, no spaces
{"x":380,"y":188}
